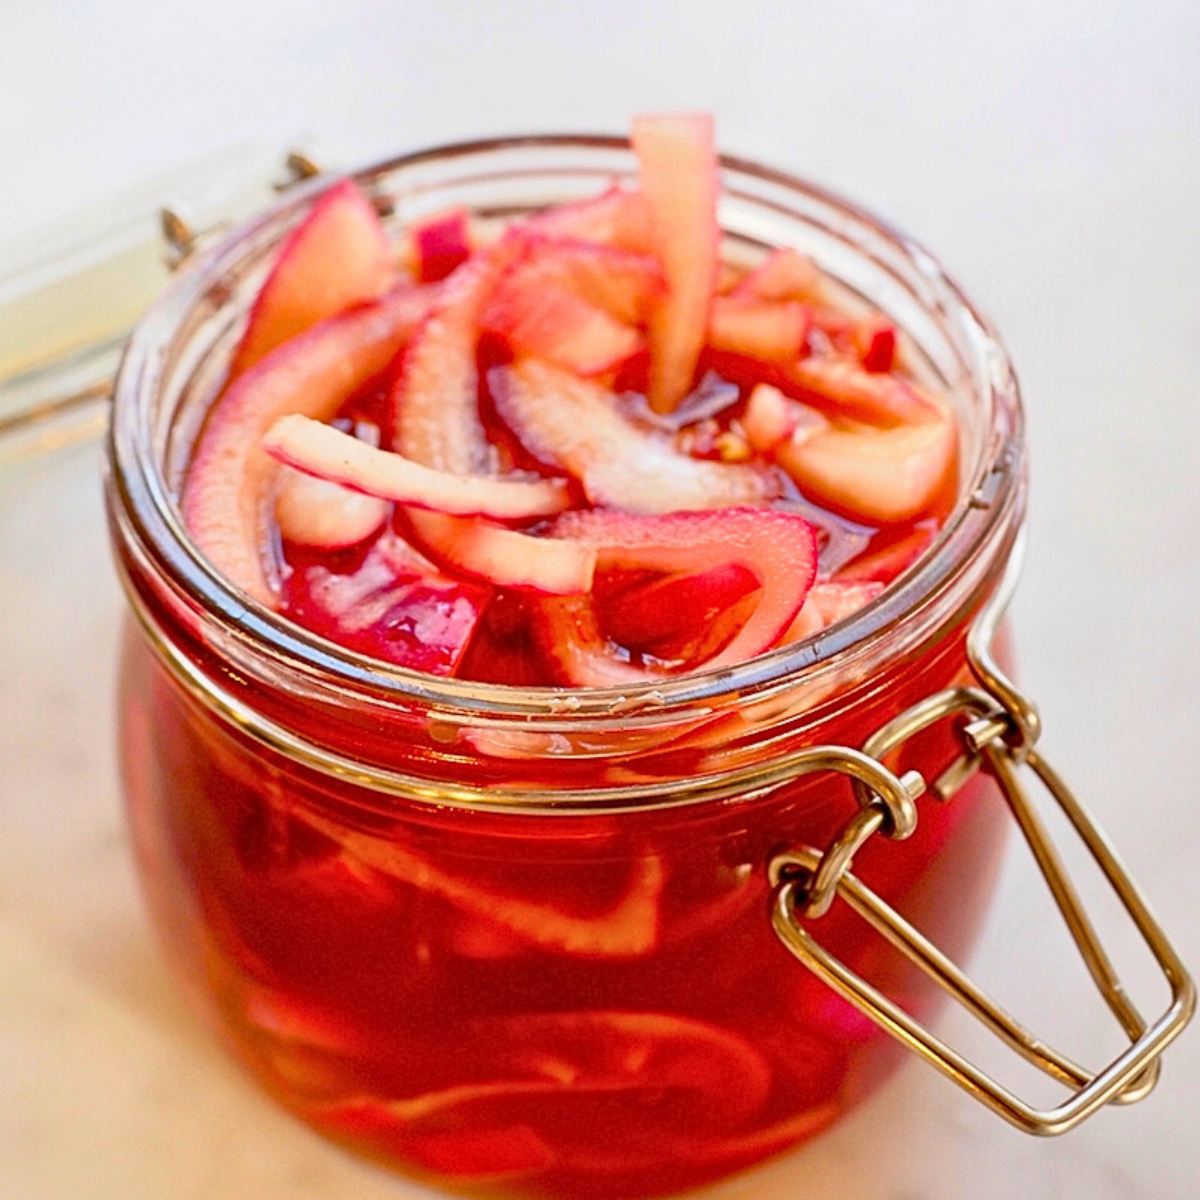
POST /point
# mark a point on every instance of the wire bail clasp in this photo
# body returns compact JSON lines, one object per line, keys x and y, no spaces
{"x":1002,"y":727}
{"x":182,"y":240}
{"x":56,"y":388}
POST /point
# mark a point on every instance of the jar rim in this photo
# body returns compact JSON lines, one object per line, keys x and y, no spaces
{"x":147,"y":510}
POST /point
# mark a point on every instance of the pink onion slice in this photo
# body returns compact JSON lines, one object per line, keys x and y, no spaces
{"x":327,"y":453}
{"x":576,"y":425}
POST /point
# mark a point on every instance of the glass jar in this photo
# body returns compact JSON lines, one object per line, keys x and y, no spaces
{"x":523,"y":937}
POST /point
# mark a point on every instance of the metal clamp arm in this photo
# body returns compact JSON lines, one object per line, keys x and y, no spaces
{"x":999,"y":739}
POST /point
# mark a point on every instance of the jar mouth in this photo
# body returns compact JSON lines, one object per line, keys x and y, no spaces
{"x":146,"y":511}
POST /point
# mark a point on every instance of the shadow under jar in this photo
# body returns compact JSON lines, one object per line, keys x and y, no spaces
{"x":520,"y":940}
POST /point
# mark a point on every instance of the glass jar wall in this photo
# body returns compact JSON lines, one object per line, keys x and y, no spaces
{"x":519,"y":938}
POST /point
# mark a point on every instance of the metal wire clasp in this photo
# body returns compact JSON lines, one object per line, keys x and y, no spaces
{"x":49,"y":403}
{"x":182,"y":240}
{"x":1002,"y":727}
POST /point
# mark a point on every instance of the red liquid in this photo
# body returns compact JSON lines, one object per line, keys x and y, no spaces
{"x":557,"y":1006}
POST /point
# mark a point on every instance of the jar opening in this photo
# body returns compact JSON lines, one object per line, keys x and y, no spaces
{"x":175,"y":359}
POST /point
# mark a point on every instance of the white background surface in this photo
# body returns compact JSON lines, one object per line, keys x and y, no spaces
{"x":1051,"y":156}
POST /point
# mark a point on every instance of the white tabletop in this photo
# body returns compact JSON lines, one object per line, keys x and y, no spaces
{"x":1051,"y":155}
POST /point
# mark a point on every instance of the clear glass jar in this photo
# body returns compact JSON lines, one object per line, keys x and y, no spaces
{"x":521,"y":937}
